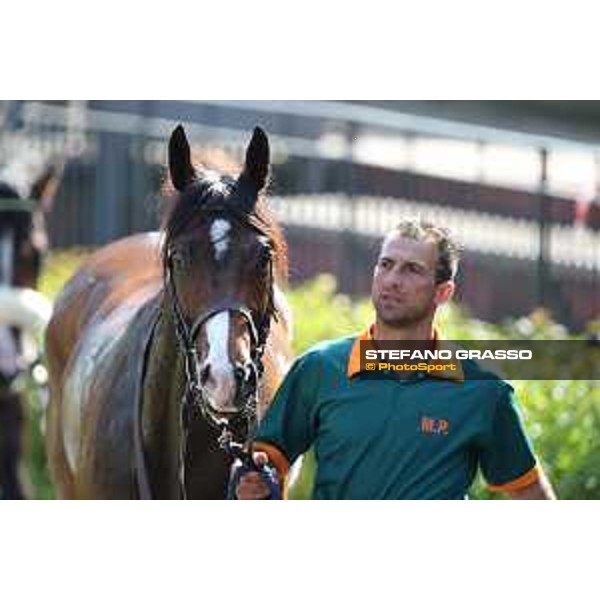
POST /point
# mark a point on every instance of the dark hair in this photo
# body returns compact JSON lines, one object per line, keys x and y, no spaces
{"x":448,"y":249}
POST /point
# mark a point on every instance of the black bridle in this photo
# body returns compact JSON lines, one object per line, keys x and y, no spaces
{"x":247,"y":376}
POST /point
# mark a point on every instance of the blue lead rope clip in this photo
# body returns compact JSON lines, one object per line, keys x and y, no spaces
{"x":243,"y":463}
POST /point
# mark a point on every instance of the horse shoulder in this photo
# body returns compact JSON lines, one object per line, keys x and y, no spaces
{"x":87,"y":329}
{"x":125,"y":270}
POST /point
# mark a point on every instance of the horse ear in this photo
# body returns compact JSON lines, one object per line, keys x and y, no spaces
{"x":46,"y":185}
{"x":180,"y":160}
{"x":256,"y":167}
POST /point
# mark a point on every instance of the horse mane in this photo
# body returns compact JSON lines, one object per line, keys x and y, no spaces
{"x":216,"y":181}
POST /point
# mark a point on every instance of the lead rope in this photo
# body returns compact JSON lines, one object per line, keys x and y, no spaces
{"x":234,"y":450}
{"x":183,"y":433}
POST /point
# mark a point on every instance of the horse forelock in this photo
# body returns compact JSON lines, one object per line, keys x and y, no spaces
{"x":213,"y":196}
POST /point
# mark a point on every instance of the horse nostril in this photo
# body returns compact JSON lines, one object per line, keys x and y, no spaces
{"x":204,"y":374}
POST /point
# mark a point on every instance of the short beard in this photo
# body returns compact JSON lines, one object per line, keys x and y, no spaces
{"x":408,"y":320}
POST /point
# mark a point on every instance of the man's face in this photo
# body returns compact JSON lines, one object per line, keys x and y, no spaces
{"x":404,"y":291}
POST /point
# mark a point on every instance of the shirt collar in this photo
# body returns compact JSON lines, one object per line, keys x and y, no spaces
{"x":354,"y":358}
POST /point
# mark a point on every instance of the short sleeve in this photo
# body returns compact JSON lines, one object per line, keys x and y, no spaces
{"x":507,"y":460}
{"x":290,"y":421}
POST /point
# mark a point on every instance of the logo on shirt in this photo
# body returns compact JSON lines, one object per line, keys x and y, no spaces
{"x":431,"y":426}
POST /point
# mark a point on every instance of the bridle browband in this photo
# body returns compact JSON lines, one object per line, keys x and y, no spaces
{"x":247,"y":376}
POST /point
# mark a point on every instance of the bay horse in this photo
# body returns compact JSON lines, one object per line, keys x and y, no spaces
{"x":28,"y":184}
{"x":195,"y":311}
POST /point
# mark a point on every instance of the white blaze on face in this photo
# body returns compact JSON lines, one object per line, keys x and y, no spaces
{"x":219,"y":236}
{"x":220,"y":387}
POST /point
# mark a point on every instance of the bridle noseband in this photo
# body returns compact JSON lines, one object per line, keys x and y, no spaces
{"x":247,"y":376}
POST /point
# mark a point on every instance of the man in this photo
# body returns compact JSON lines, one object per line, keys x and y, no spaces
{"x":421,"y":436}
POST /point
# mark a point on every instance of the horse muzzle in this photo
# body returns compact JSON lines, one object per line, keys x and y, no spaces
{"x":228,"y":393}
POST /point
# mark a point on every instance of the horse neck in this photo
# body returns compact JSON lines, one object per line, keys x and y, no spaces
{"x":164,"y":386}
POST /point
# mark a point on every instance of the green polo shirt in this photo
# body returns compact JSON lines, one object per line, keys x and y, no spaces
{"x":421,"y":438}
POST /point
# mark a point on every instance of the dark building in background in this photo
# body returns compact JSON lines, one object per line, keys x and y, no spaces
{"x":333,"y":206}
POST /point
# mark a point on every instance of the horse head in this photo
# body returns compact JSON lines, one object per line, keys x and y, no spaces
{"x":221,"y":255}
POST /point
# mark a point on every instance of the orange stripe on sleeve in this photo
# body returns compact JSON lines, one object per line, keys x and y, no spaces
{"x":521,"y":482}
